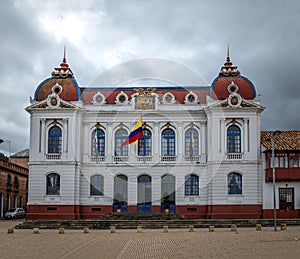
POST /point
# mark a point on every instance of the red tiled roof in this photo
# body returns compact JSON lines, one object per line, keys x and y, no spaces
{"x":69,"y":89}
{"x":220,"y":92}
{"x":286,"y":140}
{"x":110,"y":95}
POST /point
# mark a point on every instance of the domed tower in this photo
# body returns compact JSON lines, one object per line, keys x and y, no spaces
{"x":230,"y":80}
{"x":61,"y":83}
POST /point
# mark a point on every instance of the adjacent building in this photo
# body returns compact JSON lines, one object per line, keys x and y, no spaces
{"x":13,"y":185}
{"x":287,"y":173}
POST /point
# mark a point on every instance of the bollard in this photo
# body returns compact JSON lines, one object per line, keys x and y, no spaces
{"x":191,"y":228}
{"x":36,"y":230}
{"x":166,"y":229}
{"x":86,"y":230}
{"x":112,"y":229}
{"x":139,"y":229}
{"x":283,"y":227}
{"x":211,"y":228}
{"x":233,"y":228}
{"x":258,"y":227}
{"x":61,"y":231}
{"x":10,"y":231}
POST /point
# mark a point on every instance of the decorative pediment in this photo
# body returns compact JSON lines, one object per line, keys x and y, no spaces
{"x":235,"y":102}
{"x":52,"y":102}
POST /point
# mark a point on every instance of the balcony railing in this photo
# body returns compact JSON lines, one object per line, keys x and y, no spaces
{"x":120,"y":158}
{"x":283,"y":174}
{"x":144,"y":159}
{"x":53,"y":156}
{"x":234,"y":156}
{"x":97,"y":159}
{"x":168,"y":158}
{"x":192,"y":158}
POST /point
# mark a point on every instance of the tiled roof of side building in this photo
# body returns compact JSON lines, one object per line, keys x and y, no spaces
{"x":287,"y":140}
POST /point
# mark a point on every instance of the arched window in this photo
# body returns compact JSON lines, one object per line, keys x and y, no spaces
{"x":168,"y":142}
{"x":168,"y":193}
{"x":8,"y":179}
{"x":191,"y":142}
{"x":233,"y":139}
{"x":16,"y":180}
{"x":144,"y":144}
{"x":144,"y":193}
{"x":98,"y":143}
{"x":191,"y":185}
{"x":120,"y":193}
{"x":120,"y":136}
{"x":96,"y":185}
{"x":53,"y":184}
{"x":234,"y":183}
{"x":54,"y":140}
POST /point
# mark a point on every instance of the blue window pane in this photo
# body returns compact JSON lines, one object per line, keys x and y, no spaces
{"x":96,"y":185}
{"x":234,"y":183}
{"x":120,"y":136}
{"x":53,"y":184}
{"x":191,"y":185}
{"x":98,"y":143}
{"x":144,"y":144}
{"x":54,"y":140}
{"x":191,"y":142}
{"x":168,"y":142}
{"x":233,"y":139}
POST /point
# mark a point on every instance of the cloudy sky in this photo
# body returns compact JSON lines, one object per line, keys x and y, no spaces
{"x":264,"y":39}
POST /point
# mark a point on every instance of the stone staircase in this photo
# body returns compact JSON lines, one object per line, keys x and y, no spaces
{"x":149,"y":221}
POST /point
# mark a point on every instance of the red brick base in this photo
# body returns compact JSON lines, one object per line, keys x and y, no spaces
{"x":194,"y":212}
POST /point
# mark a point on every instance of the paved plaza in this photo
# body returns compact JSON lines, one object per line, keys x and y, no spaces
{"x":177,"y":243}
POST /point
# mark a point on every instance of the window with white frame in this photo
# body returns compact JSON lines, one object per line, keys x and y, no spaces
{"x":144,"y":143}
{"x":233,"y":139}
{"x":55,"y":140}
{"x":168,"y":142}
{"x":191,"y":142}
{"x":53,"y":184}
{"x":98,"y":142}
{"x":120,"y":136}
{"x":191,"y":185}
{"x":96,"y":185}
{"x":234,"y":183}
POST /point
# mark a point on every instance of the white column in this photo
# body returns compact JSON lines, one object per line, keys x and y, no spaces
{"x":109,"y":142}
{"x":65,"y":136}
{"x":246,"y":137}
{"x":222,"y":136}
{"x":203,"y":141}
{"x":43,"y":135}
{"x":180,"y":142}
{"x":86,"y":141}
{"x":156,"y":141}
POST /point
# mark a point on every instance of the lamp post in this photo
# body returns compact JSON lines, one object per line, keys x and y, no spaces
{"x":275,"y":134}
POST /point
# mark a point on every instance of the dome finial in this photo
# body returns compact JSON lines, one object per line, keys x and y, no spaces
{"x":228,"y":69}
{"x":64,"y":59}
{"x":228,"y":57}
{"x":64,"y":70}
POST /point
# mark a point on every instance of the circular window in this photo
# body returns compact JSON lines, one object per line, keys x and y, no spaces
{"x":57,"y":89}
{"x":122,"y":98}
{"x":191,"y":98}
{"x":99,"y":99}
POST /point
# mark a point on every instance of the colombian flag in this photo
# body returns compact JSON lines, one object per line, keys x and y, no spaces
{"x":135,"y":134}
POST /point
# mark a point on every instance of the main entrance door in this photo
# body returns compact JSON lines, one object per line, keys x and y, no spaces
{"x":144,"y":194}
{"x":168,"y":193}
{"x":120,"y":194}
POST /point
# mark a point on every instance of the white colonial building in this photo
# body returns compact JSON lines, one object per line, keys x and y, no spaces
{"x":199,"y":154}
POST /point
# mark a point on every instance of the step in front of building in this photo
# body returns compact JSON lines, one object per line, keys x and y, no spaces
{"x":150,"y":224}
